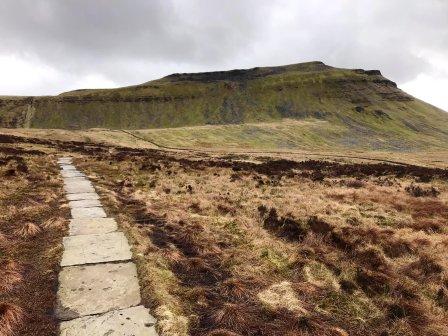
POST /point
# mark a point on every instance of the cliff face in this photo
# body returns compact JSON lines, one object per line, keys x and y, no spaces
{"x":362,"y":100}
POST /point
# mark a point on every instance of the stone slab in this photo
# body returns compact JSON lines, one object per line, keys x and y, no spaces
{"x":64,"y":161}
{"x":93,"y":212}
{"x":87,"y":226}
{"x":80,"y":187}
{"x":82,"y":196}
{"x":73,"y":176}
{"x":68,"y":167}
{"x":95,"y":248}
{"x":84,"y":203}
{"x":134,"y":321}
{"x":75,"y":179}
{"x":96,"y":289}
{"x":69,"y":173}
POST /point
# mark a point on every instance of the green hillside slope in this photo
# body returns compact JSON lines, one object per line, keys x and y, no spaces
{"x":358,"y":104}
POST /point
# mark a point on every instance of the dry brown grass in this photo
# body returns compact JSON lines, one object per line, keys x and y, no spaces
{"x":11,"y":317}
{"x":29,"y":256}
{"x":10,"y":274}
{"x":57,"y":223}
{"x":281,"y":296}
{"x":3,"y":241}
{"x":215,"y":240}
{"x":27,"y":230}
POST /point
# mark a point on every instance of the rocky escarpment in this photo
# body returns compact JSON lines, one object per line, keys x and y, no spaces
{"x":305,"y":90}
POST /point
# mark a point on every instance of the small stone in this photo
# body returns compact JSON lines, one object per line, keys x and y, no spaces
{"x":282,"y":296}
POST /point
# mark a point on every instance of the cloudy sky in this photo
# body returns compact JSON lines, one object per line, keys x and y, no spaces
{"x":50,"y":46}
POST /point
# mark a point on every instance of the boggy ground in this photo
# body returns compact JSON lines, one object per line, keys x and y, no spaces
{"x":31,"y":228}
{"x":229,"y":247}
{"x":226,"y":247}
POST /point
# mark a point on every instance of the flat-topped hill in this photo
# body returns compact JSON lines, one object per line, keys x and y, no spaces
{"x":360,"y":104}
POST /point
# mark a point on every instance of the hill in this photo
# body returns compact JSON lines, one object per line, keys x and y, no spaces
{"x":351,"y":108}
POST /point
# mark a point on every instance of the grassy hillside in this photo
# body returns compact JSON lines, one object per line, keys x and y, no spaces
{"x":281,"y":140}
{"x":291,"y":134}
{"x":348,"y":107}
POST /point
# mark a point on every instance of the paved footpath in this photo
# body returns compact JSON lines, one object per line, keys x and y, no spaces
{"x":98,"y":293}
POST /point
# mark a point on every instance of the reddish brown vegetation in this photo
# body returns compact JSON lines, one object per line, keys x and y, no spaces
{"x":10,"y":275}
{"x":27,"y":230}
{"x":418,"y":191}
{"x":351,"y":274}
{"x":29,"y":258}
{"x":11,"y":317}
{"x":225,"y":303}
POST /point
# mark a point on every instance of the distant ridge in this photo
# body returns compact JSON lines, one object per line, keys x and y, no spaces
{"x":362,"y":101}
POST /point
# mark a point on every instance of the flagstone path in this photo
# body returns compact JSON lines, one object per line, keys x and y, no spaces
{"x":98,"y":291}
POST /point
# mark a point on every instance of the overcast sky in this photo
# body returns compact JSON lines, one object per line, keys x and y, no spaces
{"x":51,"y":46}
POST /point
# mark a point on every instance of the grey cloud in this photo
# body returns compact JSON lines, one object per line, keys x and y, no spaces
{"x":136,"y":40}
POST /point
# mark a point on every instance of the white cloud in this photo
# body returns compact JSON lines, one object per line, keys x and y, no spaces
{"x":20,"y":76}
{"x":430,"y":89}
{"x":91,"y":81}
{"x":26,"y":76}
{"x":432,"y":86}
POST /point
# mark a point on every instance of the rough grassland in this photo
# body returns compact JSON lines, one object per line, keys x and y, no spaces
{"x":282,"y":248}
{"x":285,"y":139}
{"x":240,"y":245}
{"x":258,"y":246}
{"x":32,"y":224}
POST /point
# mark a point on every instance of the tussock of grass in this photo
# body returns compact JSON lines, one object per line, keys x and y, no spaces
{"x":282,"y":296}
{"x":28,"y":230}
{"x":355,"y":308}
{"x":222,"y":332}
{"x":317,"y":274}
{"x":233,"y":316}
{"x":11,"y":316}
{"x":57,"y":223}
{"x":170,"y":323}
